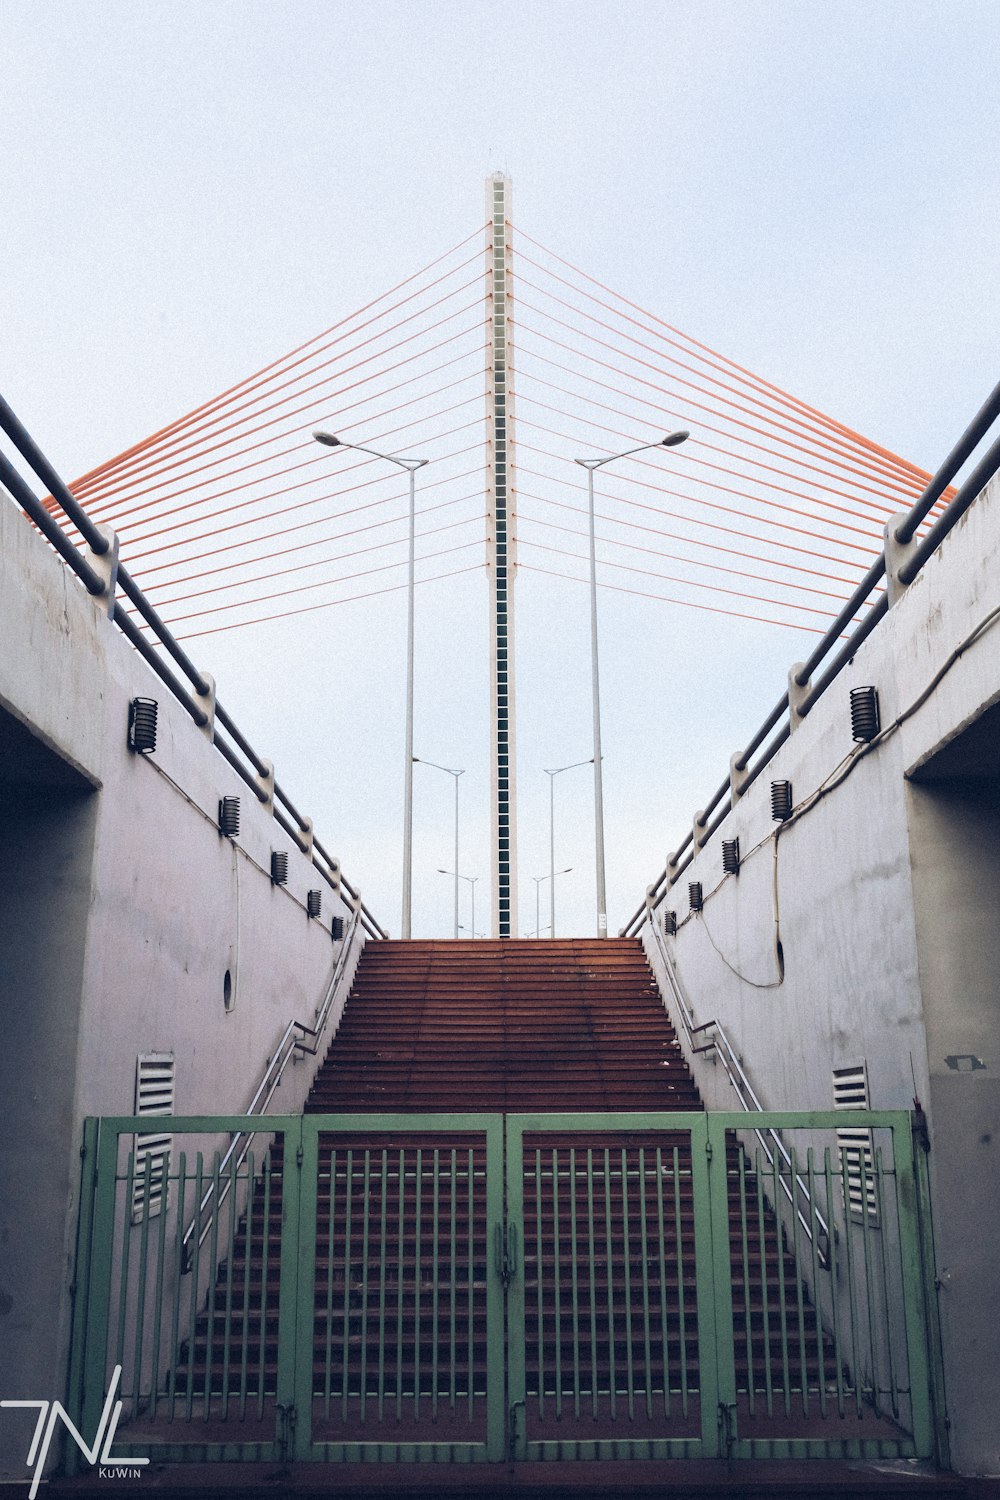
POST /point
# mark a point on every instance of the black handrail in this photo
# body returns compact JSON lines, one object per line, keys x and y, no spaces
{"x":98,"y":540}
{"x":902,"y":533}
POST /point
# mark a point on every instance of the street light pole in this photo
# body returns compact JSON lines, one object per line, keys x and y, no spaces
{"x":472,"y":892}
{"x":417,"y":761}
{"x":538,"y":879}
{"x":411,"y":465}
{"x":590,"y":464}
{"x":552,"y":841}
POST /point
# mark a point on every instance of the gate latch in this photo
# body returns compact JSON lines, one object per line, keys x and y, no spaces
{"x":727,"y":1427}
{"x":505,"y":1253}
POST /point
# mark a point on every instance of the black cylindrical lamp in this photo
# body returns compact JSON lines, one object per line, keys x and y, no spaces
{"x":781,"y":801}
{"x":670,"y":923}
{"x":229,"y":816}
{"x":731,"y":856}
{"x":865,"y":723}
{"x":279,"y":867}
{"x":142,"y":725}
{"x":694,"y":895}
{"x":314,"y":902}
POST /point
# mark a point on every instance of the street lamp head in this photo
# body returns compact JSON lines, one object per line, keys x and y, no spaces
{"x":673,"y":439}
{"x":327,"y":439}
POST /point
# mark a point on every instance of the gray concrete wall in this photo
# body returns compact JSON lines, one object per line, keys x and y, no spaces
{"x":122,"y":911}
{"x":885,"y":894}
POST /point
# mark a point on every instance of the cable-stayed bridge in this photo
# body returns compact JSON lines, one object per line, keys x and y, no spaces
{"x":588,"y":1212}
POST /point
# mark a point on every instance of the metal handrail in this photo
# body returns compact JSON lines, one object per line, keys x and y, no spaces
{"x":101,"y":542}
{"x":770,"y":1139}
{"x":898,"y":530}
{"x":292,"y":1041}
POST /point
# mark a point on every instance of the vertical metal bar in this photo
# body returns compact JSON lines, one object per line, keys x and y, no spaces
{"x":400,"y":1264}
{"x":125,"y":1257}
{"x":498,"y":1410}
{"x":199,"y":1181}
{"x":365,"y":1224}
{"x":556,"y":1305}
{"x":539,"y":1280}
{"x":82,"y":1266}
{"x":227,"y":1337}
{"x":818,"y":1309}
{"x":213,"y":1271}
{"x":452,"y":1261}
{"x":661,"y":1271}
{"x":140,"y":1294}
{"x":682,"y":1278}
{"x":800,"y":1308}
{"x":913,"y":1209}
{"x":348,"y":1215}
{"x":592,"y":1262}
{"x":330,"y":1238}
{"x":245,"y":1356}
{"x":175,"y":1313}
{"x":883,"y":1237}
{"x":834,"y":1293}
{"x":747,"y":1312}
{"x":265,"y":1269}
{"x":297,"y":1304}
{"x":418,"y":1245}
{"x":95,"y":1351}
{"x":627,"y":1266}
{"x":435,"y":1285}
{"x":849,"y":1262}
{"x":574,"y":1274}
{"x":765,"y":1303}
{"x":646,"y":1341}
{"x":782,"y":1310}
{"x":869,"y":1279}
{"x":161,"y":1250}
{"x":612,"y":1364}
{"x":713,"y":1266}
{"x":383,"y":1224}
{"x":470,"y":1286}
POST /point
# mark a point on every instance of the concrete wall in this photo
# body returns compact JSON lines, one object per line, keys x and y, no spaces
{"x":123,"y":909}
{"x":885,"y":895}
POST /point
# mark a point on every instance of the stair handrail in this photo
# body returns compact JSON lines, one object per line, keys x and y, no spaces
{"x":102,"y":574}
{"x":292,"y":1041}
{"x":909,"y":556}
{"x":770,"y":1139}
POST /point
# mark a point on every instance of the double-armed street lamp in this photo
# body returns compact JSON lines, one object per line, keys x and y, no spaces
{"x":472,"y":892}
{"x":552,"y":840}
{"x":411,"y":465}
{"x":449,"y":771}
{"x":590,"y":464}
{"x":538,"y":885}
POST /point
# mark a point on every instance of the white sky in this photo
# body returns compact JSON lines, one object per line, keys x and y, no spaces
{"x":191,"y":189}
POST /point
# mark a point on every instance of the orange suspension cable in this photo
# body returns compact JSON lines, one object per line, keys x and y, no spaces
{"x":712,"y":609}
{"x":813,"y":411}
{"x":727,"y":489}
{"x":771,"y":420}
{"x":712,"y":588}
{"x":239,"y":386}
{"x":883,"y":506}
{"x":309,"y":609}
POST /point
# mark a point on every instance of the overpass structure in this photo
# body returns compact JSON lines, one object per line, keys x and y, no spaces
{"x":795,"y":1254}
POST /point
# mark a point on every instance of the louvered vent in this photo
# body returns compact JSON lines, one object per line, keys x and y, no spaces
{"x":854,"y":1144}
{"x":154,"y":1095}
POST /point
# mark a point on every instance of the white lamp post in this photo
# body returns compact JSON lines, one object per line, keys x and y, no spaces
{"x":451,"y":772}
{"x":590,"y":464}
{"x":472,"y":892}
{"x":411,"y":465}
{"x":552,"y":841}
{"x":538,"y":885}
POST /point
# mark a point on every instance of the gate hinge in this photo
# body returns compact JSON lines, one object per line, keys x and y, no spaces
{"x":708,"y":1150}
{"x":299,"y":1154}
{"x":727,"y":1427}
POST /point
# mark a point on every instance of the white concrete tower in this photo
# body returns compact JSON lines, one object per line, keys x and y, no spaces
{"x":500,"y":562}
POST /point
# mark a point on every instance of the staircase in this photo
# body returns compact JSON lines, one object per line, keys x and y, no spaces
{"x":504,"y":1027}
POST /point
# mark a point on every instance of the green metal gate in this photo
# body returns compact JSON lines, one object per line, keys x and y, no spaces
{"x":480,"y":1288}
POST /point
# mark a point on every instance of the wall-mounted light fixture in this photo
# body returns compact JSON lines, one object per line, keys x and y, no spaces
{"x":279,"y":867}
{"x":865,"y":722}
{"x":142,"y":725}
{"x":694,"y":895}
{"x":670,"y":923}
{"x":229,"y":816}
{"x":781,"y":800}
{"x":731,"y":856}
{"x":337,"y":929}
{"x":314,"y":902}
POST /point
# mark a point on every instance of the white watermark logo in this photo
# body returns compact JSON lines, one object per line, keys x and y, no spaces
{"x":50,"y":1412}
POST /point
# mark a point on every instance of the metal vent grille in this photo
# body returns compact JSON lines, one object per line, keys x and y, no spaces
{"x":154,"y":1095}
{"x":854,"y":1144}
